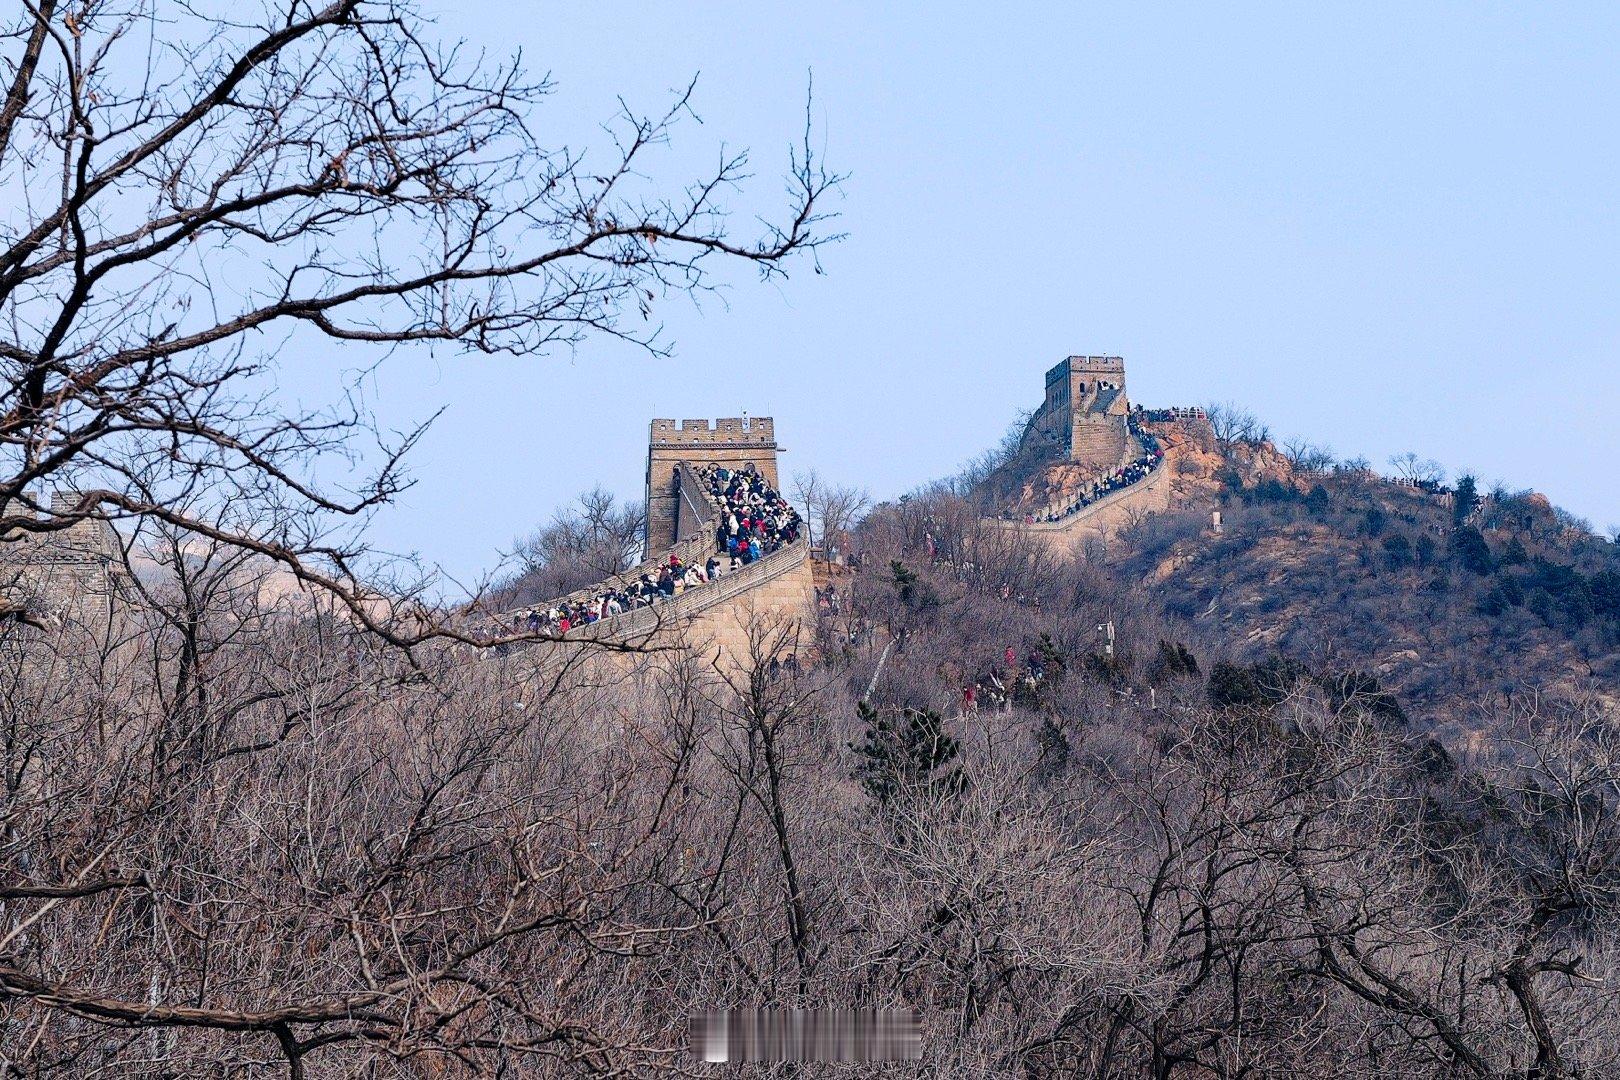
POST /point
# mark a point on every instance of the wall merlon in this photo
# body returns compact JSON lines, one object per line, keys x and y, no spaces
{"x":1096,"y":363}
{"x":753,"y":431}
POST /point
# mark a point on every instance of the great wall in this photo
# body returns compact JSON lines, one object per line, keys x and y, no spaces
{"x":1116,"y":462}
{"x":1109,"y":464}
{"x":718,"y":617}
{"x":1121,"y":461}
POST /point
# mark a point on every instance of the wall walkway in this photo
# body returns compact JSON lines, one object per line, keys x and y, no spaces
{"x":777,"y":589}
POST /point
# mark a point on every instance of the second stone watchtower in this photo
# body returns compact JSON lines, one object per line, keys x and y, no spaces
{"x":735,"y":442}
{"x":1085,"y":412}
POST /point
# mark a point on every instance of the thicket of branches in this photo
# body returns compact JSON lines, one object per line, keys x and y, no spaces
{"x":583,"y":544}
{"x":247,"y":837}
{"x":251,"y":840}
{"x":193,"y":193}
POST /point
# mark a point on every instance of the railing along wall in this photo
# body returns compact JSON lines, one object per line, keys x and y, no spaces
{"x":1107,"y":500}
{"x":642,"y":621}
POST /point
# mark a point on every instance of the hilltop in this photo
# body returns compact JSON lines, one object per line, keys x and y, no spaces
{"x":1459,"y":604}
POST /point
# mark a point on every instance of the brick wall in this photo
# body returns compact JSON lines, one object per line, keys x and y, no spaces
{"x":1100,"y":442}
{"x":1106,"y":516}
{"x":714,"y":620}
{"x":74,"y":573}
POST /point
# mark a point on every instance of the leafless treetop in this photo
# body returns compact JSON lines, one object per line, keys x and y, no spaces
{"x":192,"y":192}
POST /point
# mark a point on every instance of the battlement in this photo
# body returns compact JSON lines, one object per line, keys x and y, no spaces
{"x":1089,"y":365}
{"x":731,"y":431}
{"x":1096,"y":363}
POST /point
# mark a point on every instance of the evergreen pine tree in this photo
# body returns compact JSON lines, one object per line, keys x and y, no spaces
{"x":1468,"y":547}
{"x":1464,"y":500}
{"x":906,"y":753}
{"x":1397,"y":551}
{"x":905,"y":581}
{"x":1172,"y":662}
{"x":1053,"y":748}
{"x":1426,"y":549}
{"x":1052,"y":662}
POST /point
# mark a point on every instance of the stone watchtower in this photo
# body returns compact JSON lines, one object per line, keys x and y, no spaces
{"x":734,"y":442}
{"x":1085,"y":412}
{"x":76,"y":573}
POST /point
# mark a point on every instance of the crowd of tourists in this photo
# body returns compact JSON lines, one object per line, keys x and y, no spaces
{"x":751,"y":521}
{"x":1136,"y":471}
{"x":997,"y":688}
{"x":754,"y":520}
{"x":650,"y":587}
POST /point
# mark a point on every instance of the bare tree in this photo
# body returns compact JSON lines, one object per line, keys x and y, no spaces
{"x":1233,"y":424}
{"x":807,"y":489}
{"x":197,"y":193}
{"x":841,"y":509}
{"x":236,"y":831}
{"x":761,"y":712}
{"x":1399,"y":921}
{"x":583,"y":544}
{"x":948,"y":891}
{"x":829,"y":511}
{"x":350,"y":873}
{"x":1306,"y":457}
{"x":993,"y":474}
{"x":1423,"y":471}
{"x":260,"y":842}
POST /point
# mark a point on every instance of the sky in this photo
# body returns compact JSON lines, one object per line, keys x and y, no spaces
{"x":1386,"y":228}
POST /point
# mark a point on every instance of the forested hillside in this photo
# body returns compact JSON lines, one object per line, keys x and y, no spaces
{"x":1454,"y":599}
{"x":1448,"y":605}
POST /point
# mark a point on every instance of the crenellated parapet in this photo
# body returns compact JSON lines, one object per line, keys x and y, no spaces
{"x":731,"y":432}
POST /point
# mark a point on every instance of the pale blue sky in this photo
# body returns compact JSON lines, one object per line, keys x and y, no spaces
{"x":1388,"y":228}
